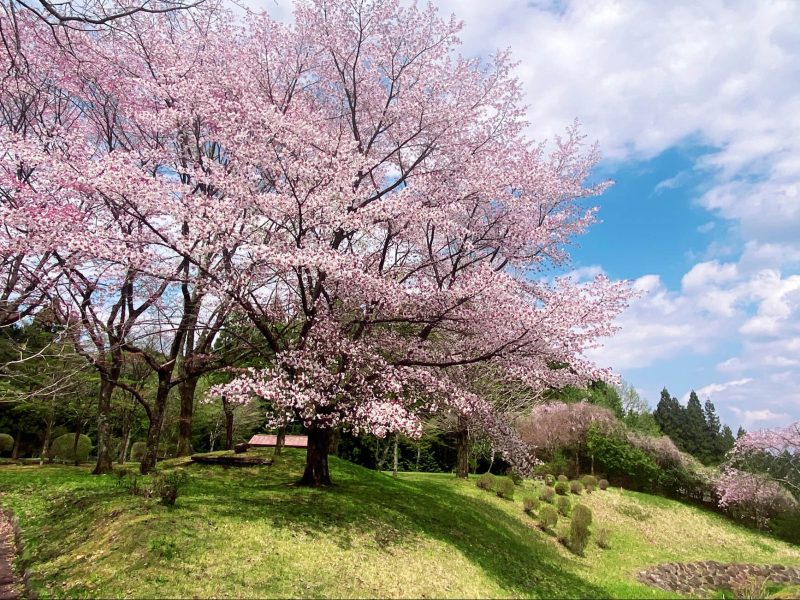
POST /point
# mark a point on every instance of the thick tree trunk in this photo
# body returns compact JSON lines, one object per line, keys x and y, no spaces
{"x":316,"y":473}
{"x":280,"y":439}
{"x":462,"y":454}
{"x":187,"y":391}
{"x":104,"y":459}
{"x":78,"y":432}
{"x":154,"y":430}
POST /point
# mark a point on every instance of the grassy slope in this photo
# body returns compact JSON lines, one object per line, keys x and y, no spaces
{"x":248,"y":532}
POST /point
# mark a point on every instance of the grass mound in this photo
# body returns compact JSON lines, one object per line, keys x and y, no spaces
{"x":250,"y":532}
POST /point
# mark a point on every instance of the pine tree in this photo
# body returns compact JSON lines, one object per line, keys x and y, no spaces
{"x":726,"y":440}
{"x":740,"y":432}
{"x":669,"y":415}
{"x":713,"y":438}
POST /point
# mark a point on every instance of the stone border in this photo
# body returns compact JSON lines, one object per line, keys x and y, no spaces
{"x":709,"y":576}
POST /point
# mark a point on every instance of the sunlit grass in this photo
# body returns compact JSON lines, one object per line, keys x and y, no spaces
{"x":250,"y":532}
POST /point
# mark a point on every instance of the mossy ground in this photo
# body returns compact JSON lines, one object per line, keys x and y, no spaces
{"x":250,"y":532}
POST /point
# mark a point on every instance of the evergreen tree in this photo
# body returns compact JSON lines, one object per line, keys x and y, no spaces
{"x":740,"y":432}
{"x":726,"y":440}
{"x":714,"y":442}
{"x":669,"y":415}
{"x":696,"y":442}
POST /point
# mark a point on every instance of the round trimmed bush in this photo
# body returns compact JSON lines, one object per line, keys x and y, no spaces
{"x":589,"y":482}
{"x":603,"y":484}
{"x":561,"y":488}
{"x":61,"y":448}
{"x":576,"y":487}
{"x":6,"y":443}
{"x":579,"y":528}
{"x":530,"y":504}
{"x":564,"y":506}
{"x":549,"y":480}
{"x":563,"y":478}
{"x":137,"y":451}
{"x":504,"y":487}
{"x":548,"y":517}
{"x":547,"y":494}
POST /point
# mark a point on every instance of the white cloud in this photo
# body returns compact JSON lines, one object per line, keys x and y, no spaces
{"x":713,"y":389}
{"x":706,"y":227}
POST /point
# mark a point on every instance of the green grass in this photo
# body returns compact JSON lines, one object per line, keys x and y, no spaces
{"x":249,"y":532}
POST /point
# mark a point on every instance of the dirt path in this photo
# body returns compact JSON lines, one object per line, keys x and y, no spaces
{"x":9,"y":585}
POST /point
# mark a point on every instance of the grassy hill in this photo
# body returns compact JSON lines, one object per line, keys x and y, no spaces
{"x":249,"y":532}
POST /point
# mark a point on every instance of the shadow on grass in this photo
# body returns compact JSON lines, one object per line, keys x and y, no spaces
{"x":394,"y":513}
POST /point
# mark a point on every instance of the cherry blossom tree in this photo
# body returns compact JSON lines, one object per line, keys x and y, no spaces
{"x":761,"y":477}
{"x":367,"y":198}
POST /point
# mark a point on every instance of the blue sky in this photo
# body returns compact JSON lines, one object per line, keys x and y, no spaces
{"x":696,"y":108}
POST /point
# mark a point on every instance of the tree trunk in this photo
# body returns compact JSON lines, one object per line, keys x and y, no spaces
{"x":47,"y":433}
{"x":394,"y":466}
{"x":104,"y":460}
{"x":462,"y":454}
{"x":154,"y":430}
{"x":15,"y":450}
{"x":419,"y":451}
{"x":187,"y":391}
{"x":337,"y":437}
{"x":78,"y":432}
{"x":316,"y":473}
{"x":280,"y":439}
{"x":228,"y":428}
{"x":126,"y":442}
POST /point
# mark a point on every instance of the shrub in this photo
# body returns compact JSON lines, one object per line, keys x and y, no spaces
{"x":564,"y":506}
{"x":603,"y":484}
{"x":61,"y":448}
{"x":563,"y":478}
{"x":602,"y":537}
{"x":589,"y":480}
{"x":618,"y":457}
{"x":515,"y":477}
{"x":561,"y":488}
{"x":137,"y":451}
{"x":547,"y":494}
{"x":576,"y":487}
{"x":485,"y":481}
{"x":548,"y":517}
{"x":579,"y":528}
{"x":549,"y":480}
{"x":168,"y":485}
{"x":6,"y":443}
{"x":530,"y":504}
{"x":504,"y":487}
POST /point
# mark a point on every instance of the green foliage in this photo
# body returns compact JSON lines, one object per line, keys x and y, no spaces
{"x":561,"y":488}
{"x":549,"y":480}
{"x":168,"y":485}
{"x":564,"y":506}
{"x":548,"y":517}
{"x":603,"y":484}
{"x":514,"y":476}
{"x":504,"y":487}
{"x":6,"y":443}
{"x":62,"y":448}
{"x":547,"y":494}
{"x":485,"y":482}
{"x":787,"y":526}
{"x":576,"y":487}
{"x":618,"y":457}
{"x":579,"y":528}
{"x":563,"y":477}
{"x":589,"y":480}
{"x":530,"y":504}
{"x":602,"y":537}
{"x":137,"y":451}
{"x":558,"y":464}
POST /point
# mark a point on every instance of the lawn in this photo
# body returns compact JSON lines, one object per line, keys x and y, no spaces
{"x":249,"y":532}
